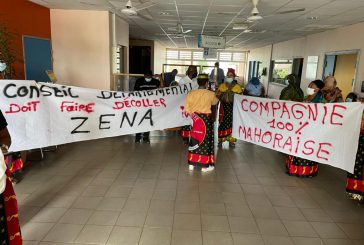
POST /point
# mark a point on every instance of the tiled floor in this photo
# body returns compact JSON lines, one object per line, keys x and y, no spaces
{"x":112,"y":191}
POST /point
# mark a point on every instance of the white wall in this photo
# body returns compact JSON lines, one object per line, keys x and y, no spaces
{"x":122,"y":32}
{"x":81,"y":47}
{"x":341,"y":39}
{"x":159,"y":57}
{"x":119,"y":33}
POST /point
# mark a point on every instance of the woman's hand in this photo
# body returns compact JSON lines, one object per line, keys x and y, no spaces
{"x":4,"y":149}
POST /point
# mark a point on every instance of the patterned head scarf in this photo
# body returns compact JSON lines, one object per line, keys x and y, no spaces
{"x":231,"y":70}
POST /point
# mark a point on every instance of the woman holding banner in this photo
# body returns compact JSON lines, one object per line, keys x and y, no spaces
{"x":226,"y":93}
{"x":355,"y":181}
{"x":298,"y":166}
{"x":331,"y":92}
{"x":9,"y":219}
{"x":201,"y":145}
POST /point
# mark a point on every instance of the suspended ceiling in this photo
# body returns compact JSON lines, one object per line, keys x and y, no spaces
{"x":217,"y":17}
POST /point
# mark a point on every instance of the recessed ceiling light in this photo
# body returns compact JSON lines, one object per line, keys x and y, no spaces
{"x":313,"y":18}
{"x":163,"y":13}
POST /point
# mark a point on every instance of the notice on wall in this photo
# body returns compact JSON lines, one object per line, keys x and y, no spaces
{"x":325,"y":133}
{"x":41,"y":115}
{"x":209,"y":53}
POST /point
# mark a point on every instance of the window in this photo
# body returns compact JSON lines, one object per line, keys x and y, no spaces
{"x":172,"y":54}
{"x":225,"y":56}
{"x":236,"y":60}
{"x":281,"y":69}
{"x":239,"y":57}
{"x":311,"y":68}
{"x":198,"y":55}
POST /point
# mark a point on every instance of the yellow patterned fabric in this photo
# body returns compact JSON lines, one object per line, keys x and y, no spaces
{"x":236,"y":89}
{"x":223,"y":88}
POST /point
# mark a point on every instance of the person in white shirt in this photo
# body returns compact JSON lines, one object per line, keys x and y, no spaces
{"x":217,"y":75}
{"x":191,"y":77}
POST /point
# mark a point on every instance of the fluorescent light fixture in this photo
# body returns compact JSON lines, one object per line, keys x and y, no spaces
{"x":255,"y":17}
{"x":240,"y":27}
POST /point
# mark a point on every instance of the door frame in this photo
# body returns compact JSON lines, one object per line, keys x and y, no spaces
{"x":40,"y":38}
{"x":343,"y":52}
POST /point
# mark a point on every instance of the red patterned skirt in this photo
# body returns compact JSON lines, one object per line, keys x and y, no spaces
{"x":301,"y":167}
{"x":14,"y":162}
{"x":201,"y":145}
{"x":9,"y":217}
{"x":185,"y":133}
{"x":226,"y":120}
{"x":355,"y":181}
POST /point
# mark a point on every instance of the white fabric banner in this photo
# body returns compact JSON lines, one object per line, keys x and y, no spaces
{"x":325,"y":133}
{"x":41,"y":114}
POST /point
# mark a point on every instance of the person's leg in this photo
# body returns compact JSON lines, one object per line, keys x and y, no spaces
{"x":146,"y":137}
{"x":138,"y":137}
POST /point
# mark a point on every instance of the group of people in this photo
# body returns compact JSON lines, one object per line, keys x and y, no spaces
{"x":200,"y":104}
{"x":200,"y":140}
{"x":326,"y":91}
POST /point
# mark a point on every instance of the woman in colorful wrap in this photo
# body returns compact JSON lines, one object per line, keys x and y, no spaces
{"x":9,"y":219}
{"x":355,"y":181}
{"x":190,"y":77}
{"x":292,"y":92}
{"x":225,"y":93}
{"x":297,"y":166}
{"x":201,"y":145}
{"x":254,"y":88}
{"x":331,"y":93}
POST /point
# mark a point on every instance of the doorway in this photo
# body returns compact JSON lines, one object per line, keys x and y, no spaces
{"x":343,"y":66}
{"x":37,"y":58}
{"x":140,"y":59}
{"x":297,"y":66}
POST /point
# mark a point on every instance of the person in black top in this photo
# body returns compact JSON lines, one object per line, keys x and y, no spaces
{"x":170,"y":77}
{"x":145,"y":83}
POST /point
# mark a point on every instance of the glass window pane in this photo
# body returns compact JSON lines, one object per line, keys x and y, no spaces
{"x":185,"y":55}
{"x":197,"y":55}
{"x":172,"y":54}
{"x":239,"y":56}
{"x":225,"y":56}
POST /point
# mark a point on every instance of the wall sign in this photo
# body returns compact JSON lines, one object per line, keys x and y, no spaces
{"x":215,"y":42}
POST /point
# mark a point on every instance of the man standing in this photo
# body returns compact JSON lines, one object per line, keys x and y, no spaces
{"x":217,"y":75}
{"x":169,"y":77}
{"x":145,"y":83}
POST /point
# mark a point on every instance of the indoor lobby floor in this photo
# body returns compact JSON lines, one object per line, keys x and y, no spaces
{"x":112,"y":191}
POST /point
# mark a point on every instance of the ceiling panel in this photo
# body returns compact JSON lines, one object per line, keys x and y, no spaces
{"x":220,"y":16}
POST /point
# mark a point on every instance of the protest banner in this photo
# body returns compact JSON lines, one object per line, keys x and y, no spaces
{"x":41,"y":115}
{"x":325,"y":133}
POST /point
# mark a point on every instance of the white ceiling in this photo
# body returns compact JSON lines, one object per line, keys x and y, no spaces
{"x":216,"y":17}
